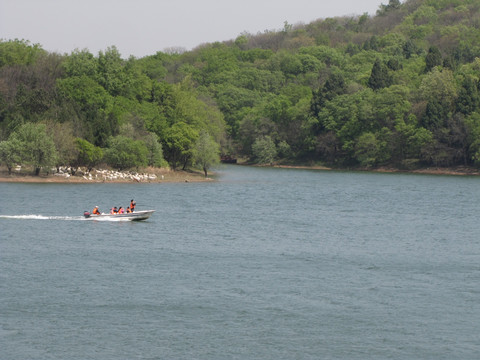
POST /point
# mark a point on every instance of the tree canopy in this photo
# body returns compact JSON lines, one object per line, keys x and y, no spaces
{"x":400,"y":88}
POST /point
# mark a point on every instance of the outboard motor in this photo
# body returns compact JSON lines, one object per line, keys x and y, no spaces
{"x":86,"y":214}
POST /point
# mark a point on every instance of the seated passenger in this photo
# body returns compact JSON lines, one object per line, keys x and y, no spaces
{"x":121,"y":210}
{"x":96,"y":211}
{"x":128,"y":210}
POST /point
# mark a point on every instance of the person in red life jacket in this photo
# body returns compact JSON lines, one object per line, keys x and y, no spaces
{"x":121,"y":210}
{"x":132,"y":205}
{"x":128,"y":210}
{"x":114,"y":210}
{"x":96,"y":211}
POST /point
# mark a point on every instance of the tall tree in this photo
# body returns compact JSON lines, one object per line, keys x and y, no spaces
{"x":379,"y":77}
{"x":19,"y":52}
{"x":155,"y":151}
{"x":10,"y":153}
{"x":206,"y":152}
{"x":435,"y":115}
{"x":409,"y":48}
{"x":439,"y":86}
{"x":88,"y":154}
{"x":62,"y":135}
{"x":468,"y":96}
{"x":366,"y":149}
{"x":433,"y":58}
{"x":124,"y":153}
{"x":110,"y":72}
{"x":81,"y":63}
{"x":178,"y":144}
{"x":334,"y":85}
{"x":264,"y":150}
{"x":38,"y":148}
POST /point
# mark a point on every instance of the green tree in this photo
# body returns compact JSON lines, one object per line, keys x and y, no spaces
{"x":420,"y":144}
{"x":234,"y":102}
{"x":88,"y":154}
{"x":182,"y":103}
{"x":154,"y":151}
{"x":433,"y":58}
{"x":264,"y":150}
{"x":435,"y":115}
{"x":366,"y":149}
{"x":473,"y":126}
{"x":91,"y":103}
{"x":154,"y":66}
{"x":392,"y":5}
{"x":379,"y":77}
{"x":213,"y":60}
{"x":390,"y":106}
{"x":81,"y":63}
{"x":468,"y":96}
{"x":18,"y":52}
{"x":206,"y":152}
{"x":10,"y":153}
{"x":348,"y":116}
{"x":38,"y":148}
{"x":439,"y":86}
{"x":371,"y":44}
{"x":125,"y":153}
{"x":110,"y":73}
{"x":178,"y":144}
{"x":327,"y":147}
{"x":62,"y":135}
{"x":27,"y":92}
{"x":410,"y":48}
{"x":334,"y":86}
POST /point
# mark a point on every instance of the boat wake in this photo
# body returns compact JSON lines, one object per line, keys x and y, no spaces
{"x":62,"y":218}
{"x":41,"y":217}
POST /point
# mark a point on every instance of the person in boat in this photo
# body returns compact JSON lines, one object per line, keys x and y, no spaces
{"x":114,"y":210}
{"x":96,"y":211}
{"x":128,"y":210}
{"x":132,"y":205}
{"x":121,"y":210}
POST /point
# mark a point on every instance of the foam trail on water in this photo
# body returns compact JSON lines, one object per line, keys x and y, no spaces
{"x":41,"y":217}
{"x":63,"y":218}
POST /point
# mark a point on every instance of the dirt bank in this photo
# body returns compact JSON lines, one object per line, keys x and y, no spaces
{"x":152,"y":175}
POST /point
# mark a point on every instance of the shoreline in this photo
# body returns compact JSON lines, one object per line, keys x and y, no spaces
{"x":181,"y":176}
{"x":453,"y":171}
{"x":161,"y":176}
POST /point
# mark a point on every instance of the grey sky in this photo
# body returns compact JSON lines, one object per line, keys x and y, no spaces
{"x":143,"y":27}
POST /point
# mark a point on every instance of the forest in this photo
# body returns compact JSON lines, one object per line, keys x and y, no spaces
{"x":400,"y":88}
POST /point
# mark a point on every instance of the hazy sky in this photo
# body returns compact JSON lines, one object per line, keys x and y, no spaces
{"x":143,"y":27}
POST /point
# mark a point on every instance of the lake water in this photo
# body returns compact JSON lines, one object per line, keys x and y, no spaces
{"x":261,"y":264}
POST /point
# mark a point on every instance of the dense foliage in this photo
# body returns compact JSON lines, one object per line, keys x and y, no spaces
{"x":400,"y":88}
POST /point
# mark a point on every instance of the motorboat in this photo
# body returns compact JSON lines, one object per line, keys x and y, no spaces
{"x":133,"y":216}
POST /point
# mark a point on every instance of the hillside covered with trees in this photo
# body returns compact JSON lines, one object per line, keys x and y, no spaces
{"x":398,"y":89}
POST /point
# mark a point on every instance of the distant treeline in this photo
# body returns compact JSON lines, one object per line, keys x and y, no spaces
{"x":400,"y":88}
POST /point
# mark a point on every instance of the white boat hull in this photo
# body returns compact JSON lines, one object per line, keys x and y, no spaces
{"x":135,"y":216}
